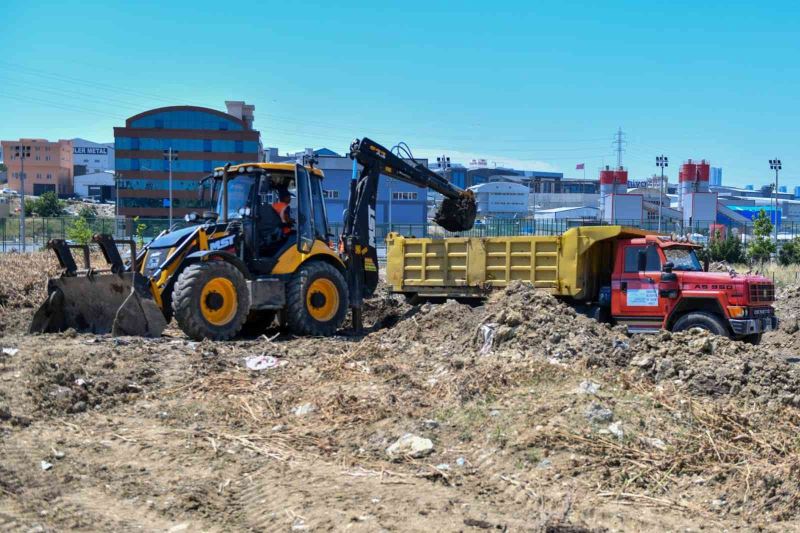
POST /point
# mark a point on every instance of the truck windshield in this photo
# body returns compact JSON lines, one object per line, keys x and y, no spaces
{"x":683,"y":259}
{"x":239,"y":189}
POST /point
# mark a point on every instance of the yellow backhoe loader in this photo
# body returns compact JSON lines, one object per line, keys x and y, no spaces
{"x":242,"y":263}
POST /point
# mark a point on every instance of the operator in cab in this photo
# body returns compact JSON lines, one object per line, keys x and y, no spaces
{"x":283,"y":209}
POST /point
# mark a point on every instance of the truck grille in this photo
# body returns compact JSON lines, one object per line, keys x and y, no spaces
{"x":762,"y":292}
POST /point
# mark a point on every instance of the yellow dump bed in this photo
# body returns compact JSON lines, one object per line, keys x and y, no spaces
{"x":570,"y":264}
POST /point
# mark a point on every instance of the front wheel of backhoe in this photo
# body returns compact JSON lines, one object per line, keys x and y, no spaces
{"x":211,"y":300}
{"x":316,"y":300}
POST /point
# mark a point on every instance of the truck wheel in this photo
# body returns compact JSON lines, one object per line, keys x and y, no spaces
{"x":702,"y":320}
{"x":316,"y":300}
{"x":211,"y":301}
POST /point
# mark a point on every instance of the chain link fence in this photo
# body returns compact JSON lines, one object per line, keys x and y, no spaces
{"x":38,"y":231}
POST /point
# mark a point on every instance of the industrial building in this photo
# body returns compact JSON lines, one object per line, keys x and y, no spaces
{"x":501,"y":199}
{"x":398,"y":202}
{"x":98,"y":185}
{"x":616,"y":204}
{"x":89,"y":157}
{"x":48,"y":168}
{"x":201,"y":139}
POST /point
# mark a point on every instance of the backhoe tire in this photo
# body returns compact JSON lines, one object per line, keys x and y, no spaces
{"x":702,"y":320}
{"x":211,"y":301}
{"x":316,"y":300}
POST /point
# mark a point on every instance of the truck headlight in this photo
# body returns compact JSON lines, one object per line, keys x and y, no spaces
{"x":737,"y":311}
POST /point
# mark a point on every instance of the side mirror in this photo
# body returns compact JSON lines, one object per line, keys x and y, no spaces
{"x":706,"y":264}
{"x":668,"y":266}
{"x":641,"y":260}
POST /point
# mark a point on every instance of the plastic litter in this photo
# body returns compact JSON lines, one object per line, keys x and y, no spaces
{"x":263,"y":362}
{"x":11,"y":352}
{"x":487,"y":331}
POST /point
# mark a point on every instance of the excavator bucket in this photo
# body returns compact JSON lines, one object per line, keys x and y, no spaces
{"x":457,"y":214}
{"x":118,"y":302}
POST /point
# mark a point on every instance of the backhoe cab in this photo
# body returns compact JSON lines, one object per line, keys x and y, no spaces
{"x":235,"y":266}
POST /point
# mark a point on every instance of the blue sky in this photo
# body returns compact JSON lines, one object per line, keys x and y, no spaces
{"x":534,"y":84}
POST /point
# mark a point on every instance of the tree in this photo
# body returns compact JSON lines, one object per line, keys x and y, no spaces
{"x":789,"y":254}
{"x":80,"y":231}
{"x":49,"y":205}
{"x":761,"y":247}
{"x":30,"y":207}
{"x":3,"y":167}
{"x":139,"y":234}
{"x":729,"y":249}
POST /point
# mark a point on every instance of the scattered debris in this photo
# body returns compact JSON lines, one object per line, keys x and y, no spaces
{"x":45,"y":465}
{"x":410,"y":445}
{"x":304,"y":409}
{"x":11,"y":352}
{"x":263,"y":362}
{"x":598,"y":414}
{"x":616,"y":430}
{"x":588,"y":387}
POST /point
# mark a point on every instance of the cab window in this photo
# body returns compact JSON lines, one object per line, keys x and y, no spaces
{"x":632,"y":259}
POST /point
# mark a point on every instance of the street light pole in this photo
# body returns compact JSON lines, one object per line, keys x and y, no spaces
{"x":775,"y":164}
{"x":661,"y":161}
{"x":22,"y":152}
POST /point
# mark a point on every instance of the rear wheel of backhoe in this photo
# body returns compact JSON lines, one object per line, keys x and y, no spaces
{"x":316,"y":300}
{"x":211,"y":301}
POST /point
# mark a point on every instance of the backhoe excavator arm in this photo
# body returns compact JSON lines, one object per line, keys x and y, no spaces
{"x":456,"y":212}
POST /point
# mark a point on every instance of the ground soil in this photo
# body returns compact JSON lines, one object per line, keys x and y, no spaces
{"x":540,"y":419}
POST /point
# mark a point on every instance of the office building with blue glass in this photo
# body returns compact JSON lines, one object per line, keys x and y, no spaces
{"x":203,"y":138}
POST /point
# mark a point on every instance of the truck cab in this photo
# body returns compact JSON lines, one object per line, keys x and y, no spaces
{"x":659,"y":283}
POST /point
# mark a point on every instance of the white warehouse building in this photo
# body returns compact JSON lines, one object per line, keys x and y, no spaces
{"x":92,"y":157}
{"x":501,"y":199}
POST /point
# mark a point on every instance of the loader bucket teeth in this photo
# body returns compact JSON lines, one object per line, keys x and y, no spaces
{"x":139,"y":316}
{"x":101,"y":303}
{"x":457,"y":214}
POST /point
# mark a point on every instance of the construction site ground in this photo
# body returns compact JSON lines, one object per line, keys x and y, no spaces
{"x":518,"y":415}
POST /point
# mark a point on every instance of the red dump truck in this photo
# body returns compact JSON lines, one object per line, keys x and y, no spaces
{"x":624,"y":275}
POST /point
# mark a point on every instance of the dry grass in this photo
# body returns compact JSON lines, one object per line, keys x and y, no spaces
{"x":749,"y":453}
{"x":783,"y":276}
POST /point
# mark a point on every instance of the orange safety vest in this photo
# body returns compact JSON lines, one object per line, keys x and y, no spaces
{"x":282,"y":209}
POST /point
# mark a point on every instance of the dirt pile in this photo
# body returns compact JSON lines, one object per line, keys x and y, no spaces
{"x":534,"y":323}
{"x":23,"y":287}
{"x":520,"y":322}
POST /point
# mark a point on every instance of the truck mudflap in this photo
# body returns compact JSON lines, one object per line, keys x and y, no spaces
{"x":752,"y":326}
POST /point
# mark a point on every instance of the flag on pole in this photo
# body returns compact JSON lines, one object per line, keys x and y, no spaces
{"x":579,"y":166}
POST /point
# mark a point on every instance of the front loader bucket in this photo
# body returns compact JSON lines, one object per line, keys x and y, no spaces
{"x":121,"y":304}
{"x":457,"y":214}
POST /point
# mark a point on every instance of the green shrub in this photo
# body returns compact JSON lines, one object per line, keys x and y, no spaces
{"x":789,"y":254}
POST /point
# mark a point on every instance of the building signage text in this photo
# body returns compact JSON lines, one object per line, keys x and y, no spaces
{"x":89,"y":150}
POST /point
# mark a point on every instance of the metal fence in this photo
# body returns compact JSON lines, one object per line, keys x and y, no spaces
{"x":40,"y":230}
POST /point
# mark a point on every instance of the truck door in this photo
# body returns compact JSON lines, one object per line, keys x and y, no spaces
{"x":635,"y":296}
